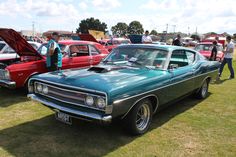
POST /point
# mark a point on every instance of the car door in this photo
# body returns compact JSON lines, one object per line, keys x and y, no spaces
{"x":95,"y":54}
{"x":181,"y":70}
{"x":79,"y":56}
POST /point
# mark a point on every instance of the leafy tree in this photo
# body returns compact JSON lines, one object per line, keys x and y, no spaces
{"x":91,"y":23}
{"x":234,"y":36}
{"x":195,"y":37}
{"x":154,"y":32}
{"x":135,"y":27}
{"x":120,"y":29}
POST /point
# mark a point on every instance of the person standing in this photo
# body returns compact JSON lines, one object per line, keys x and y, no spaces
{"x":228,"y":58}
{"x":54,"y":55}
{"x":177,"y":41}
{"x":214,"y":51}
{"x":146,"y":39}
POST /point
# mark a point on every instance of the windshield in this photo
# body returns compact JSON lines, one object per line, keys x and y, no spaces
{"x":43,"y":48}
{"x":1,"y":46}
{"x":148,"y":57}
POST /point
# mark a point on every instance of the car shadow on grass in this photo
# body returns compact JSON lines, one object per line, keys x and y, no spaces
{"x":9,"y":97}
{"x":48,"y":137}
{"x":219,"y":81}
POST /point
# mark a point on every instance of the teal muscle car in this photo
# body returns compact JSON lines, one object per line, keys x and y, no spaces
{"x":132,"y":83}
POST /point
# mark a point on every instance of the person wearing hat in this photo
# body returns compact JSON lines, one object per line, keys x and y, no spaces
{"x":54,"y":55}
{"x":228,"y":58}
{"x":177,"y":41}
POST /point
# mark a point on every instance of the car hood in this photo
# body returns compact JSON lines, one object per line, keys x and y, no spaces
{"x":102,"y":78}
{"x":87,"y":37}
{"x":18,"y":43}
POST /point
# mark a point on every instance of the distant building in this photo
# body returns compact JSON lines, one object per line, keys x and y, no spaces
{"x":29,"y":33}
{"x":62,"y":33}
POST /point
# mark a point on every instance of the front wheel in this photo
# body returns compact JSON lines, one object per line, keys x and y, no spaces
{"x":202,"y":93}
{"x":139,"y":119}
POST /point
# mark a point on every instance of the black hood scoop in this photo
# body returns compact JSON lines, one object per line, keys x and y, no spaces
{"x":98,"y":69}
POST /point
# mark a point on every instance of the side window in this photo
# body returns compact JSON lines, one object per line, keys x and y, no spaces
{"x":178,"y":59}
{"x":79,"y":50}
{"x":190,"y":56}
{"x":93,"y":50}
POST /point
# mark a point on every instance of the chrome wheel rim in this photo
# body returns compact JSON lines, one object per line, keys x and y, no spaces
{"x":204,"y":89}
{"x":143,"y":117}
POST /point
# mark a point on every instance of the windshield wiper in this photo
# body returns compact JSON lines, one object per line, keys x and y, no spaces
{"x":107,"y":61}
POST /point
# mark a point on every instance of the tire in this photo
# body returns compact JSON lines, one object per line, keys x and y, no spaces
{"x":138,"y":120}
{"x":203,"y":91}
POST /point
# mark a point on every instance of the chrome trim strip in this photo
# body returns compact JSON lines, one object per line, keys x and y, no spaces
{"x":151,"y":95}
{"x":94,"y":116}
{"x":8,"y":84}
{"x":120,"y":100}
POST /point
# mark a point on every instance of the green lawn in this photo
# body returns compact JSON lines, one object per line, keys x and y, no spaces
{"x":187,"y":128}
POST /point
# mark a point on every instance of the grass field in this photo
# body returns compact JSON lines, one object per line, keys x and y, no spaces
{"x":187,"y":128}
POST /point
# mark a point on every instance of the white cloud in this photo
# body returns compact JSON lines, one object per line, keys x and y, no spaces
{"x":151,"y":4}
{"x":83,"y":5}
{"x":105,"y":5}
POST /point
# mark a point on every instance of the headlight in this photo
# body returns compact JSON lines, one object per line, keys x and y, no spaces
{"x":39,"y":88}
{"x":45,"y":89}
{"x":7,"y":75}
{"x":101,"y":103}
{"x":89,"y":100}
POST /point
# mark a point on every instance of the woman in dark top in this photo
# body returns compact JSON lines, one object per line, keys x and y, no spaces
{"x":214,"y":51}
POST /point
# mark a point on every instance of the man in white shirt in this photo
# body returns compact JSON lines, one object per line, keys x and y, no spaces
{"x":228,"y":58}
{"x":146,"y":39}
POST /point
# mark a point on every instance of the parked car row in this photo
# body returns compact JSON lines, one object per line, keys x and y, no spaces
{"x":8,"y":55}
{"x":131,"y":84}
{"x":77,"y":54}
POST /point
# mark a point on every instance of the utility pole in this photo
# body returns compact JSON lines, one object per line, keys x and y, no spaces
{"x":196,"y":30}
{"x":166,"y":28}
{"x":33,"y":29}
{"x":188,"y":31}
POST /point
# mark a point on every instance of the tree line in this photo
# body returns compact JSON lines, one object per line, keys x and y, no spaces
{"x":120,"y":29}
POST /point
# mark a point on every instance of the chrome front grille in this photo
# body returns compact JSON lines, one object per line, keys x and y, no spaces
{"x":2,"y":74}
{"x":68,"y":96}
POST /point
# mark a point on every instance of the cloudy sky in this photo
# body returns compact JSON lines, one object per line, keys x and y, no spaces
{"x":183,"y":15}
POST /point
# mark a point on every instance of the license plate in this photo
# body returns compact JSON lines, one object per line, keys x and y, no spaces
{"x":63,"y":117}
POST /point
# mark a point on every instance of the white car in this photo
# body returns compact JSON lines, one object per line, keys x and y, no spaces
{"x":7,"y":54}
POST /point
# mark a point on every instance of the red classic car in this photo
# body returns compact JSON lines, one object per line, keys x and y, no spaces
{"x":113,"y":43}
{"x":76,"y":54}
{"x":205,"y":49}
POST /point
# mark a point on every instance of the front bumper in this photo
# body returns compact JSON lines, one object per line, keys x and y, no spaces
{"x":74,"y":113}
{"x":7,"y":84}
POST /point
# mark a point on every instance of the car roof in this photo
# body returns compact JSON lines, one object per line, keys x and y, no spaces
{"x":163,"y":47}
{"x":69,"y":42}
